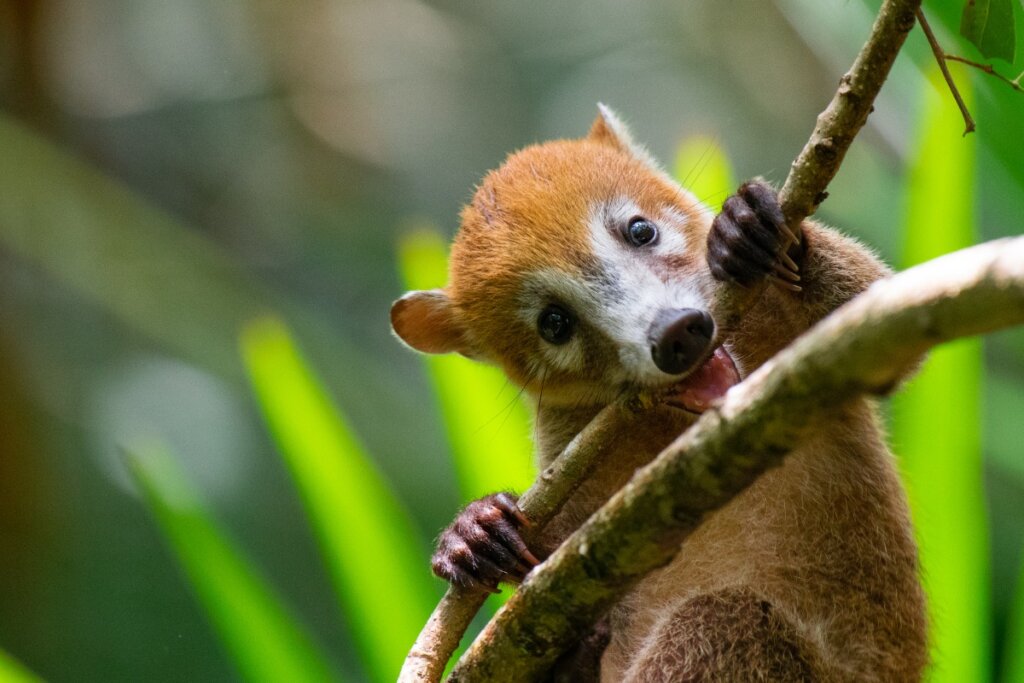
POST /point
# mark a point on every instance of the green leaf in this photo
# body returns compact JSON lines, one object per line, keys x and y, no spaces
{"x":263,"y":639}
{"x":989,"y":25}
{"x":374,"y":558}
{"x":702,"y":167}
{"x":937,"y":420}
{"x":487,"y":423}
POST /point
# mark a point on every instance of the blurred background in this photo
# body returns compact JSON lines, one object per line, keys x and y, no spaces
{"x":172,"y":171}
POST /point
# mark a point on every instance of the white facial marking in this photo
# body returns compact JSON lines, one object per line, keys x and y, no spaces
{"x":642,"y":292}
{"x":619,"y":299}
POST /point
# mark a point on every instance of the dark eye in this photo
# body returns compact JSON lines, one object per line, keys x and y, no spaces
{"x":641,"y":231}
{"x":555,"y":324}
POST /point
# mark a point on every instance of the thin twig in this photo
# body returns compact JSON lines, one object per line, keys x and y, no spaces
{"x":940,"y":58}
{"x":987,"y":68}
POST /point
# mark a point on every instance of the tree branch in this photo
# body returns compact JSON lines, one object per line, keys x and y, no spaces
{"x":990,"y":70}
{"x":836,"y":127}
{"x":834,"y":131}
{"x":641,"y":528}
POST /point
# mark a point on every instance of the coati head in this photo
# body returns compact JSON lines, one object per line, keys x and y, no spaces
{"x":580,"y":269}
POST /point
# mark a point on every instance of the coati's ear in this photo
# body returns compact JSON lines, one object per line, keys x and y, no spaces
{"x":608,"y":129}
{"x":429,"y":322}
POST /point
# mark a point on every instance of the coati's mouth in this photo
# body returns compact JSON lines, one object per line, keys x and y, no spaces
{"x":706,"y":384}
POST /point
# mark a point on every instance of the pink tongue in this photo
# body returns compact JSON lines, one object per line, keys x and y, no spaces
{"x":708,"y":382}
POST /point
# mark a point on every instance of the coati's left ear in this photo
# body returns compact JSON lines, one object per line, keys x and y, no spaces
{"x":608,"y":129}
{"x":429,"y":322}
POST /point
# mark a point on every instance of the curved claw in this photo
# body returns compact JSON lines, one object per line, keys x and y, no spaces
{"x":749,"y":240}
{"x":483,"y":546}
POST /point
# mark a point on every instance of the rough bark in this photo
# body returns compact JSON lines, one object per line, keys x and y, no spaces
{"x":862,"y":348}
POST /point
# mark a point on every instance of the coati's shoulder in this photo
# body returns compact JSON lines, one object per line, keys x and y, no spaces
{"x":834,"y":269}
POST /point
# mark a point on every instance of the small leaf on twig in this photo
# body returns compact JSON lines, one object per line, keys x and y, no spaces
{"x":989,"y":25}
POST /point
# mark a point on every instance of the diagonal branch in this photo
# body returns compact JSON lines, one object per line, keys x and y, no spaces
{"x":835,"y":129}
{"x":640,"y":529}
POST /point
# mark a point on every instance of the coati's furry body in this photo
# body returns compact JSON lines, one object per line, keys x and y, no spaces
{"x":809,"y":574}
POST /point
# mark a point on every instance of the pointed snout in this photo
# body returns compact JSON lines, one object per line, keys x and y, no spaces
{"x":679,"y":337}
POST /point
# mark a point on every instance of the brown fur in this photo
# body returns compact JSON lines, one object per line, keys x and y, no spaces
{"x":811,"y":573}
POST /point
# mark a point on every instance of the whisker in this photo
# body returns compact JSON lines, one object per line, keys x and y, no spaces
{"x":506,"y":410}
{"x":714,"y":195}
{"x":510,"y":407}
{"x":540,"y":395}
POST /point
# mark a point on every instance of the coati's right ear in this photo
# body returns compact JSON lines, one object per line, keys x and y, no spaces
{"x":608,"y":129}
{"x":429,"y":322}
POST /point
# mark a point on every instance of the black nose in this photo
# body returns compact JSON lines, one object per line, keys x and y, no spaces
{"x":679,"y":337}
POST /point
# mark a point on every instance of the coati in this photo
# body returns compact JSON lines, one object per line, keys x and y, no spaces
{"x":584,"y":271}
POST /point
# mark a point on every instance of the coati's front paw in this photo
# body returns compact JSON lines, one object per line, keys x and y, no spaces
{"x":749,"y":240}
{"x":483,"y":546}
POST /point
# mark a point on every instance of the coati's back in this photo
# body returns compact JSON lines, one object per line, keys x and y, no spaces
{"x":585,"y":272}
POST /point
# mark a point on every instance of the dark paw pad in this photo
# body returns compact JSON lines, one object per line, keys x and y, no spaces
{"x":483,"y":546}
{"x":749,"y":240}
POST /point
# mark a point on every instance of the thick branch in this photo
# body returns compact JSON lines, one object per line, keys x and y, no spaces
{"x":641,"y":528}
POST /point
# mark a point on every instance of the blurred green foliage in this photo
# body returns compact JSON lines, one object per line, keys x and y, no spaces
{"x":171,"y":172}
{"x":936,"y":424}
{"x":263,"y":639}
{"x":13,"y":672}
{"x":1013,"y":668}
{"x":365,"y":535}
